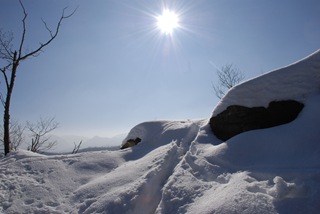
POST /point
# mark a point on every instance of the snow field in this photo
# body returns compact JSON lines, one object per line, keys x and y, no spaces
{"x":181,"y":167}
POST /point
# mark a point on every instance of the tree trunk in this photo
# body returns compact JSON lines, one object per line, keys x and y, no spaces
{"x":6,"y":116}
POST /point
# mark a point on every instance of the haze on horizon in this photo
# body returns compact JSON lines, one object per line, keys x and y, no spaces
{"x":111,"y":68}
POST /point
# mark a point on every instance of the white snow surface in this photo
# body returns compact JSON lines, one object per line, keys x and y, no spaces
{"x":181,"y":167}
{"x":297,"y":81}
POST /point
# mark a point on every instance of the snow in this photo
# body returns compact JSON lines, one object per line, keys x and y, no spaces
{"x":296,"y":81}
{"x":181,"y":167}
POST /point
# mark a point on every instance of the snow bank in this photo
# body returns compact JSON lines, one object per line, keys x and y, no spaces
{"x":181,"y":167}
{"x":31,"y":183}
{"x":287,"y":146}
{"x":272,"y":170}
{"x":297,"y":81}
{"x":156,"y":133}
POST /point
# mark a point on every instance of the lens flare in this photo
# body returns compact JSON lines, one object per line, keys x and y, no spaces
{"x":168,"y":21}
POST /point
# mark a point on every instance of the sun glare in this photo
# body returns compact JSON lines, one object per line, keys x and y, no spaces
{"x":168,"y":21}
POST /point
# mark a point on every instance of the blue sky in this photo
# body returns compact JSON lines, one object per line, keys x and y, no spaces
{"x":110,"y":68}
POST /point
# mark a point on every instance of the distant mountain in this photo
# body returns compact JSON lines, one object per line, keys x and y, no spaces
{"x":65,"y":143}
{"x":182,"y":167}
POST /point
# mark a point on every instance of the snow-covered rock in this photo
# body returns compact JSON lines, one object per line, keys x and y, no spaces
{"x":269,"y":100}
{"x":181,"y":167}
{"x":238,"y":119}
{"x":297,"y":81}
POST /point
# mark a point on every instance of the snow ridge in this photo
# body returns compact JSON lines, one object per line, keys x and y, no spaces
{"x":181,"y":167}
{"x":296,"y":82}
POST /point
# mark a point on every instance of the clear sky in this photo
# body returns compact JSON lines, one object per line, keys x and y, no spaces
{"x":111,"y":68}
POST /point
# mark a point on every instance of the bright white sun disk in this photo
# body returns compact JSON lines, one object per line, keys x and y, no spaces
{"x":168,"y":21}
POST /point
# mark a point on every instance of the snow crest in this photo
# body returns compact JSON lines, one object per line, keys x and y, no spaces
{"x":297,"y":81}
{"x":181,"y":167}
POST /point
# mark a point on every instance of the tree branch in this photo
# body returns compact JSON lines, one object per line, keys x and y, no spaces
{"x":46,"y":26}
{"x":24,"y":29}
{"x":52,"y":35}
{"x":6,"y":45}
{"x":228,"y":76}
{"x":3,"y":70}
{"x":39,"y":132}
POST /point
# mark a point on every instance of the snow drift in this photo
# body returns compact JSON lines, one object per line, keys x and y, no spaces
{"x":181,"y":167}
{"x":296,"y":82}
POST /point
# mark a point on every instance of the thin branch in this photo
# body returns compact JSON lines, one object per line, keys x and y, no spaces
{"x":228,"y":76}
{"x":46,"y":26}
{"x":39,"y":132}
{"x":2,"y":100}
{"x":6,"y":45}
{"x":3,"y":70}
{"x":43,"y":126}
{"x":53,"y":36}
{"x":76,"y":147}
{"x":24,"y":29}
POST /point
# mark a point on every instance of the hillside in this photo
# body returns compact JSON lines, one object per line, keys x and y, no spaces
{"x":182,"y":167}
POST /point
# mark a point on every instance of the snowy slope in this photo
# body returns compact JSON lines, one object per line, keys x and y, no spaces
{"x":181,"y":167}
{"x":297,"y":81}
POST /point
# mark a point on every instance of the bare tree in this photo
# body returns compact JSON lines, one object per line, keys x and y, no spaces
{"x":12,"y":58}
{"x":76,"y":147}
{"x":228,"y":76}
{"x":16,"y":134}
{"x":40,"y":134}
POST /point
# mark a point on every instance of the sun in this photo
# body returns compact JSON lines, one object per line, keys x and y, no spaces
{"x":168,"y":21}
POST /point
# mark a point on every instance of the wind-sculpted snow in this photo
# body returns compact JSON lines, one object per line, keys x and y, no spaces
{"x":294,"y":82}
{"x":180,"y":167}
{"x":175,"y":173}
{"x":126,"y":181}
{"x":274,"y":170}
{"x":32,"y":183}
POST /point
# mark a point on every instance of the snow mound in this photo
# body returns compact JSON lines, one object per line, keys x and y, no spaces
{"x":157,"y":133}
{"x":296,"y":82}
{"x":289,"y":146}
{"x":181,"y":167}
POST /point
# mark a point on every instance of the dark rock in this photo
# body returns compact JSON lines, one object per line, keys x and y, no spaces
{"x":237,"y":119}
{"x":130,"y":143}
